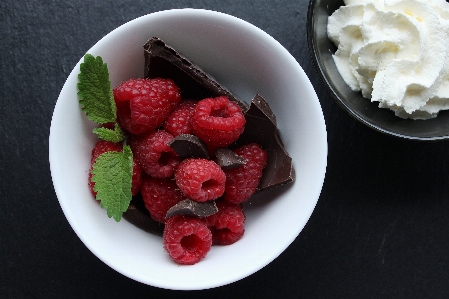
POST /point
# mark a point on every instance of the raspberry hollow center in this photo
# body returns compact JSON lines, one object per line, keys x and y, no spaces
{"x":190,"y":243}
{"x":210,"y":185}
{"x":166,"y":158}
{"x":219,"y":113}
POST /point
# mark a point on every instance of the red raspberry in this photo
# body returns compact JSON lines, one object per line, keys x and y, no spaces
{"x":159,"y":195}
{"x":110,"y":126}
{"x":153,"y":153}
{"x":107,"y":146}
{"x":227,"y":225}
{"x":179,"y":121}
{"x":200,"y":179}
{"x":186,"y":239}
{"x":136,"y":178}
{"x":242,"y":182}
{"x":218,"y":121}
{"x":144,"y":104}
{"x":102,"y":147}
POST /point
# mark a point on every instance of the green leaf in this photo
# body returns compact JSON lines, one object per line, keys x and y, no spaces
{"x":115,"y":135}
{"x":94,"y":90}
{"x":112,"y":174}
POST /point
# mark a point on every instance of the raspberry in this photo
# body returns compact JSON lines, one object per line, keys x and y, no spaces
{"x":179,"y":121}
{"x":109,"y":126}
{"x":242,"y":182}
{"x":186,"y":239}
{"x":218,"y":121}
{"x":144,"y":104}
{"x":102,"y":147}
{"x":154,"y":155}
{"x":227,"y":225}
{"x":159,"y":195}
{"x":200,"y":179}
{"x":107,"y":146}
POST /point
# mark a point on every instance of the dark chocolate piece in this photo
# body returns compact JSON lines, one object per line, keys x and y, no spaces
{"x":138,"y":215}
{"x":261,"y":128}
{"x":227,"y":159}
{"x":163,"y":61}
{"x":193,"y":208}
{"x":189,"y":146}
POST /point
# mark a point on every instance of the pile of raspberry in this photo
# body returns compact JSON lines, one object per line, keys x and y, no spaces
{"x":152,"y":112}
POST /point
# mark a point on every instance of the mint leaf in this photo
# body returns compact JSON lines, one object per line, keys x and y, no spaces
{"x":115,"y":135}
{"x":112,"y":174}
{"x":94,"y":90}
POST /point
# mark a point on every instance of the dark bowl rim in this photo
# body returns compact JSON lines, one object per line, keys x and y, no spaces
{"x":330,"y":90}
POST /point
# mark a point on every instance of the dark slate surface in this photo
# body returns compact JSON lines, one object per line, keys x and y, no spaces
{"x":380,"y":229}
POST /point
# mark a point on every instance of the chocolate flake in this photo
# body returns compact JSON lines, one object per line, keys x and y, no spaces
{"x":261,"y":128}
{"x":193,"y":208}
{"x":227,"y":159}
{"x":139,"y":216}
{"x":163,"y":61}
{"x":189,"y":146}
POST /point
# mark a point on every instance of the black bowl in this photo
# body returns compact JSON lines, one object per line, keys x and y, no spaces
{"x":362,"y":109}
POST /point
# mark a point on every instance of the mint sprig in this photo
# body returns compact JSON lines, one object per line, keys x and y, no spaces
{"x":112,"y":175}
{"x":115,"y":135}
{"x":112,"y":171}
{"x":94,"y":90}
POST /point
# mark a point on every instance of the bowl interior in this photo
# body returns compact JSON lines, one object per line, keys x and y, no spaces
{"x":383,"y":120}
{"x":245,"y":60}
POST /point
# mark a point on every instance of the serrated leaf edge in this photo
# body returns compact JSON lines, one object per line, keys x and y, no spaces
{"x":127,"y":154}
{"x":85,"y":69}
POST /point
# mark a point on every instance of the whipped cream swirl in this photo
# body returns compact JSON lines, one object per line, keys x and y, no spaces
{"x":396,"y":52}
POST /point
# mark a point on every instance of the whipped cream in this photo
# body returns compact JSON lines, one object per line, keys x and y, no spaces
{"x":396,"y":52}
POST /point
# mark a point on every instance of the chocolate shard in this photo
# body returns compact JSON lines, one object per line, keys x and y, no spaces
{"x":193,"y":208}
{"x":261,"y":128}
{"x":227,"y":159}
{"x":163,"y":61}
{"x":189,"y":146}
{"x":139,"y":216}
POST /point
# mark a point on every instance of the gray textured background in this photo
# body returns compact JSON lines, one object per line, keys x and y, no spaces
{"x":380,"y":229}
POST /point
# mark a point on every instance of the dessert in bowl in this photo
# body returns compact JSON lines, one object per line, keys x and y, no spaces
{"x":246,"y":61}
{"x":396,"y":79}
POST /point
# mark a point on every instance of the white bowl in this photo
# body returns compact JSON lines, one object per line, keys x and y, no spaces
{"x":247,"y":61}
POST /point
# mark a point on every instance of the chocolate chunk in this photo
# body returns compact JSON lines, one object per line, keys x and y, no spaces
{"x":227,"y":159}
{"x":189,"y":146}
{"x":193,"y":208}
{"x":138,"y":215}
{"x":163,"y":61}
{"x":261,"y":128}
